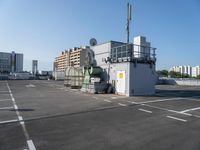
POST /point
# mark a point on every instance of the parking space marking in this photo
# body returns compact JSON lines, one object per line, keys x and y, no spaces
{"x":15,"y":106}
{"x":8,"y":121}
{"x":30,"y":85}
{"x":192,"y":109}
{"x":106,"y":100}
{"x":20,"y":118}
{"x":159,"y":100}
{"x":2,"y":108}
{"x":135,"y":103}
{"x":31,"y":145}
{"x":113,"y":97}
{"x":122,"y":104}
{"x":175,"y":118}
{"x":144,"y":110}
{"x":165,"y":109}
{"x":192,"y":98}
{"x":1,"y":100}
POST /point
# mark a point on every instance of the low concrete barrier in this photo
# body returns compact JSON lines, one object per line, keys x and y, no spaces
{"x":179,"y":81}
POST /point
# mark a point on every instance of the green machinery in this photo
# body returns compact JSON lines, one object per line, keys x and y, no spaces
{"x":92,"y":82}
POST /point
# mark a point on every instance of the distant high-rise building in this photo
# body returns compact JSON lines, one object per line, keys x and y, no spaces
{"x":191,"y":71}
{"x":34,"y":67}
{"x":11,"y":62}
{"x":195,"y":71}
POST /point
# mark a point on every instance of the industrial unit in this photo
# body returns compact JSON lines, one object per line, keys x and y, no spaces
{"x":129,"y":68}
{"x":121,"y":68}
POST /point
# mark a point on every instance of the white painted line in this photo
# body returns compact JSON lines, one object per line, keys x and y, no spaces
{"x":160,"y":100}
{"x":5,"y":100}
{"x":6,"y":108}
{"x":8,"y":121}
{"x":31,"y":145}
{"x":192,"y":99}
{"x":165,"y":109}
{"x":15,"y":106}
{"x":113,"y":97}
{"x":20,"y":118}
{"x":144,"y":110}
{"x":122,"y":104}
{"x":135,"y":103}
{"x":22,"y":122}
{"x":130,"y":102}
{"x":94,"y":97}
{"x":192,"y":109}
{"x":196,"y":116}
{"x":175,"y":118}
{"x":30,"y":85}
{"x":107,"y":100}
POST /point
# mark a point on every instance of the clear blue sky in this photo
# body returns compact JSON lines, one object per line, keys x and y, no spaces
{"x":41,"y":29}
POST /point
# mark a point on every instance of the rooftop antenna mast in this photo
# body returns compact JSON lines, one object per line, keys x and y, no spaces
{"x":129,"y":9}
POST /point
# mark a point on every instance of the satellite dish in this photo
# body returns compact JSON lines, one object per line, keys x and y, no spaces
{"x":93,"y":42}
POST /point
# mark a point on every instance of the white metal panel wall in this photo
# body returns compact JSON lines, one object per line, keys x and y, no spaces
{"x":141,"y":47}
{"x":114,"y":68}
{"x":142,"y":79}
{"x":101,"y":51}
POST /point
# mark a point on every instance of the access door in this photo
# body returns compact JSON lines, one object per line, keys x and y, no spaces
{"x":121,"y":80}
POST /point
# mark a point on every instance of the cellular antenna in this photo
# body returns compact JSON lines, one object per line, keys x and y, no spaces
{"x":129,"y":11}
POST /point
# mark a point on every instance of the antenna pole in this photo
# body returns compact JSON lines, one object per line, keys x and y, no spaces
{"x":129,"y":9}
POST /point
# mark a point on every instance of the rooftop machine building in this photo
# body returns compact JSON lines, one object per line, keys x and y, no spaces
{"x":129,"y":68}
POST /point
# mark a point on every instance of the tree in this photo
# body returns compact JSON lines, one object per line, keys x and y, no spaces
{"x":185,"y":76}
{"x":198,"y":76}
{"x":174,"y":74}
{"x":163,"y":73}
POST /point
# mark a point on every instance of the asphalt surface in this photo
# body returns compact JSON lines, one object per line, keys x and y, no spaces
{"x":44,"y":115}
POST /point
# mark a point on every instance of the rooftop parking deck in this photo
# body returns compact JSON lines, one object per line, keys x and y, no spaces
{"x":46,"y":115}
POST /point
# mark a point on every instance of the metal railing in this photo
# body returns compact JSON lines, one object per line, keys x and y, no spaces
{"x":130,"y":52}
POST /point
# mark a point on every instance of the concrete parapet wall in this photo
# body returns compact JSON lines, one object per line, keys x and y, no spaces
{"x":179,"y":81}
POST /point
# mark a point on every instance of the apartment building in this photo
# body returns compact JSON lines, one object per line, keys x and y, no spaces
{"x":195,"y":71}
{"x":62,"y":61}
{"x":72,"y":57}
{"x":191,"y":71}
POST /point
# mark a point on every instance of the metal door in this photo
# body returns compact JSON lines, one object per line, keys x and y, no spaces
{"x":121,"y":78}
